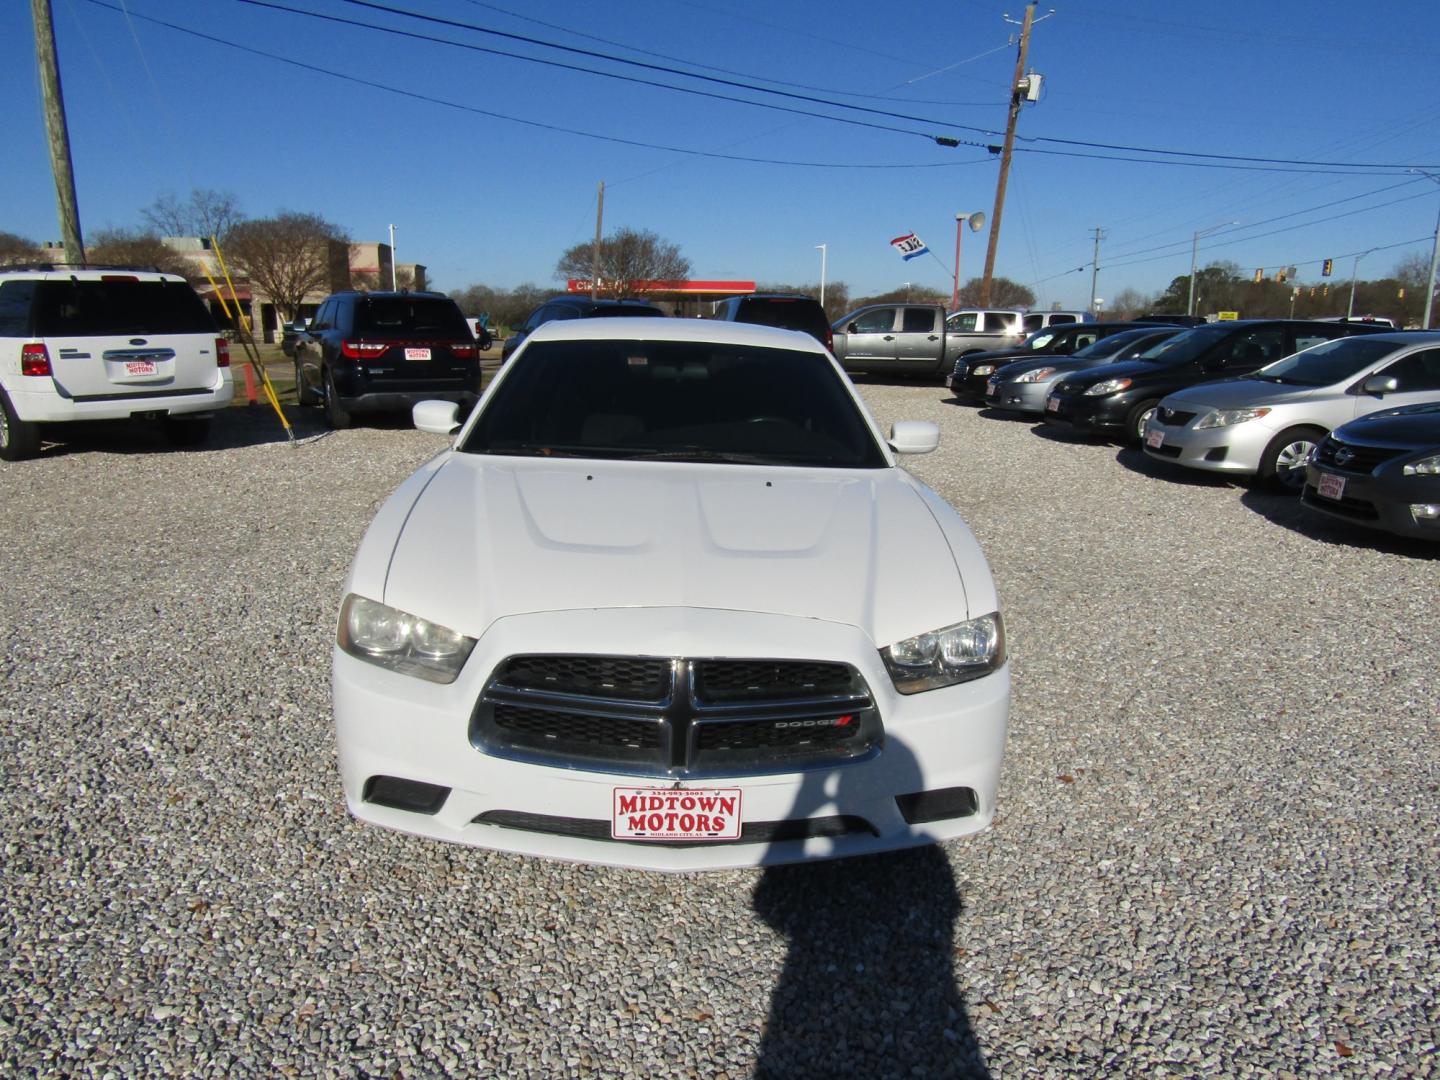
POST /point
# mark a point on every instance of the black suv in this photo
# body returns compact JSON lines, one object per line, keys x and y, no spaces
{"x":575,"y":307}
{"x":384,"y":351}
{"x":788,"y":311}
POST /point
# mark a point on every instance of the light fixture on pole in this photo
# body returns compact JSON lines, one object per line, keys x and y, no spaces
{"x":1194,"y":246}
{"x":822,"y":248}
{"x":393,"y":286}
{"x":976,"y":221}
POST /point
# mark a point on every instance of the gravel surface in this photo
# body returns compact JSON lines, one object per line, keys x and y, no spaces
{"x":1216,"y":851}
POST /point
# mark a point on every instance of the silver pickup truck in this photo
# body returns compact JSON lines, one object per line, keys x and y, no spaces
{"x":919,"y":339}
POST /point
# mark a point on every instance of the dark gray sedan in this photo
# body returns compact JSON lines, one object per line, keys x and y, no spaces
{"x":1021,"y":386}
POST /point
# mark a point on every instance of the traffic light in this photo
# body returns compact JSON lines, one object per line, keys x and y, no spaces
{"x":1259,"y":275}
{"x":1327,"y":266}
{"x":1280,"y":276}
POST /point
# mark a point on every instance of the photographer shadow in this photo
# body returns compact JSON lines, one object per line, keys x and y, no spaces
{"x":868,"y":987}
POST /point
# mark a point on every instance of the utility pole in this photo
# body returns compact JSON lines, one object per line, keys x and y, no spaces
{"x":393,"y":286}
{"x":56,"y":130}
{"x":595,"y":251}
{"x":1095,"y":267}
{"x":1018,"y":91}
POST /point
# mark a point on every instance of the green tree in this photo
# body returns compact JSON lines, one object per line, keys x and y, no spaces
{"x":630,"y":260}
{"x":1004,"y":293}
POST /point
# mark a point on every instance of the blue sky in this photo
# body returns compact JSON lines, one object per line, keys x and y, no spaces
{"x":481,"y":197}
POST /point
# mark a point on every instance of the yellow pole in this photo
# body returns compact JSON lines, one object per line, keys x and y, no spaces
{"x":248,"y":340}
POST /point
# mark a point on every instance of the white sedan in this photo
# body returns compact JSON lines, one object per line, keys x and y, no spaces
{"x":668,"y":602}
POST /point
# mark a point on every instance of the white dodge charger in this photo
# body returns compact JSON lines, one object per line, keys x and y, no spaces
{"x":668,"y":602}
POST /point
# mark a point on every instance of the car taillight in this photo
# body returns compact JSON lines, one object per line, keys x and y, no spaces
{"x":464,"y":352}
{"x":34,"y":360}
{"x":362,"y":350}
{"x":222,"y":352}
{"x":829,"y":339}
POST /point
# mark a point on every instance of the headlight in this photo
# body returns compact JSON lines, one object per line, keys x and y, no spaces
{"x":945,"y":657}
{"x":1426,"y":466}
{"x":982,"y":369}
{"x":1109,"y":386}
{"x":1228,"y":417}
{"x":401,"y":642}
{"x":1037,"y":375}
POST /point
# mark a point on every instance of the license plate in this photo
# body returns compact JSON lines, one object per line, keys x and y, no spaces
{"x":1331,"y":486}
{"x":1154,"y":439}
{"x":139,"y":367}
{"x":417,"y":354}
{"x":649,"y":813}
{"x":1052,"y":404}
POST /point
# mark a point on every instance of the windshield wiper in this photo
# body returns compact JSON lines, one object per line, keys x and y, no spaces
{"x":700,"y":453}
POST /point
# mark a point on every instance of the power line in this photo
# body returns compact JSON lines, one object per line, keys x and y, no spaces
{"x":430,"y":99}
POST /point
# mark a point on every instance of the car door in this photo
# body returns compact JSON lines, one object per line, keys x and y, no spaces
{"x":918,"y":338}
{"x":308,"y":345}
{"x":871,"y":335}
{"x":1417,"y":380}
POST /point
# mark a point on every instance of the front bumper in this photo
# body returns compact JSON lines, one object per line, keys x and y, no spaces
{"x":1100,"y":415}
{"x":1376,"y":500}
{"x":968,"y":386}
{"x":1235,"y":449}
{"x":1017,"y":396}
{"x":392,"y":725}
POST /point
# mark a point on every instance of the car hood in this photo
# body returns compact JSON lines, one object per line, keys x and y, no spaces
{"x":1126,"y":369}
{"x":1240,"y":393}
{"x":488,"y":537}
{"x":990,"y":356}
{"x":1417,"y":426}
{"x":1063,"y":365}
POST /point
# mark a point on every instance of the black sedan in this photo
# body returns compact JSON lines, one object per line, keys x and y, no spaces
{"x":1116,"y":399}
{"x":972,"y":371}
{"x":1381,"y":471}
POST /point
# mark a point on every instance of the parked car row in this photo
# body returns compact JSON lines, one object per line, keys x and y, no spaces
{"x":1346,"y":413}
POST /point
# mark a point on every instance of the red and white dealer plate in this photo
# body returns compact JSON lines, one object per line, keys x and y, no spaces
{"x":1332,"y":486}
{"x":139,"y":367}
{"x":417,"y":354}
{"x":651,"y":813}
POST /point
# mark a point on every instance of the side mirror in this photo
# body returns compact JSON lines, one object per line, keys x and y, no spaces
{"x":852,"y":329}
{"x":436,"y":417}
{"x":914,"y":436}
{"x":1380,"y":384}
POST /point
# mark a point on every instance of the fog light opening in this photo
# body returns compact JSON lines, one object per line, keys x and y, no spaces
{"x":1425,"y":511}
{"x":411,"y":795}
{"x":938,"y":805}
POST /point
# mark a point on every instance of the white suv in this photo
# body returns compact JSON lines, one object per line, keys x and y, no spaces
{"x":105,"y":343}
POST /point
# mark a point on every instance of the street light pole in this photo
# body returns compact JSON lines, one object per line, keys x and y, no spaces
{"x":822,"y":248}
{"x":393,"y":286}
{"x":1354,"y":273}
{"x":1194,"y":247}
{"x":1434,"y":259}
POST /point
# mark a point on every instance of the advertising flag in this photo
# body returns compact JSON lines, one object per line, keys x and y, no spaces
{"x":909,"y":246}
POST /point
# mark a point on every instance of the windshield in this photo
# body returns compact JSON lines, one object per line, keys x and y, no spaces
{"x":1037,"y":341}
{"x":1333,"y":362}
{"x":1108,"y":346}
{"x":1185,"y":346}
{"x":675,"y":401}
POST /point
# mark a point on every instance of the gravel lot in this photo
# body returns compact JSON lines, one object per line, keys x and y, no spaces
{"x":1216,"y":851}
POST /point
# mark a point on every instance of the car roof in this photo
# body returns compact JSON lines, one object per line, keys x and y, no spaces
{"x":87,"y":272}
{"x":681,"y":330}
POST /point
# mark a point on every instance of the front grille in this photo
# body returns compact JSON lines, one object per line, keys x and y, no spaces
{"x":675,"y":716}
{"x":1358,"y":509}
{"x":1068,"y":389}
{"x":1164,"y":450}
{"x":1353,"y":457}
{"x":1174,"y":417}
{"x":751,"y":832}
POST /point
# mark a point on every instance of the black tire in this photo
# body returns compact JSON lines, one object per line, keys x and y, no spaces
{"x":1135,"y":421}
{"x":486,"y":341}
{"x":336,"y":415}
{"x":187,"y":430}
{"x":19,"y":439}
{"x":303,"y":394}
{"x":1282,"y":465}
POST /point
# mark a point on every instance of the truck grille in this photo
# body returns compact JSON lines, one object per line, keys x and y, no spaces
{"x":661,"y":716}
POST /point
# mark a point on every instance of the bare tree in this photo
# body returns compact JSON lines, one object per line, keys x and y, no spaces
{"x":837,"y":295}
{"x":131,"y":247}
{"x":375,"y":281}
{"x":289,"y":256}
{"x":16,"y":249}
{"x":1128,"y":303}
{"x":207,"y":213}
{"x":630,"y":262}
